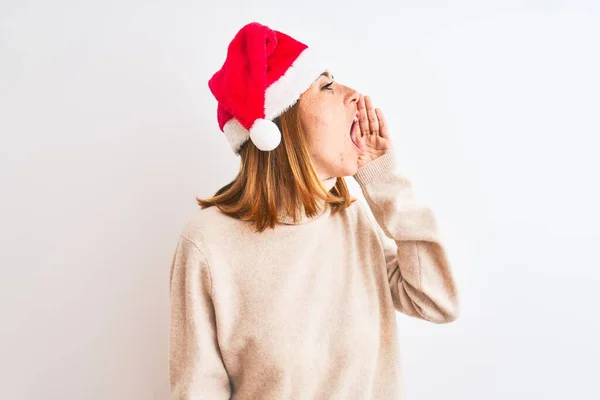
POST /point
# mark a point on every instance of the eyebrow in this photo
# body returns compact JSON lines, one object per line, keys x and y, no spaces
{"x":327,"y":74}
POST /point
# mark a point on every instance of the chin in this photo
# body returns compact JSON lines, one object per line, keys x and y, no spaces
{"x":346,"y":166}
{"x":349,"y":169}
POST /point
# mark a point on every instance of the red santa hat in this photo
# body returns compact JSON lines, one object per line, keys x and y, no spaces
{"x":264,"y":74}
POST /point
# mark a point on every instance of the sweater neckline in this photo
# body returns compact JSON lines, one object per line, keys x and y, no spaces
{"x":287,"y":219}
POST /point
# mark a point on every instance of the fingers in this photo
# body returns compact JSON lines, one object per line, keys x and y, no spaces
{"x":362,"y":142}
{"x":363,"y":119}
{"x":383,"y":126}
{"x":371,"y":120}
{"x":372,"y":117}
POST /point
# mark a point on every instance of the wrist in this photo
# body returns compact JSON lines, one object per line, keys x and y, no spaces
{"x":376,"y":169}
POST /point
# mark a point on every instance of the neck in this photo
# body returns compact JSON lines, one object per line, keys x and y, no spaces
{"x":329,"y":183}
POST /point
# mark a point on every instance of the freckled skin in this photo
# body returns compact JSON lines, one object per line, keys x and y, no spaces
{"x":326,"y":115}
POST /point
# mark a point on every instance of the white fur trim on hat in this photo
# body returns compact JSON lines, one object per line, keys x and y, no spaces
{"x":236,"y":134}
{"x":284,"y":92}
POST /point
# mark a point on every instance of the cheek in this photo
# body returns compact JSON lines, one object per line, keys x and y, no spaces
{"x":328,"y":129}
{"x":325,"y":131}
{"x":319,"y":131}
{"x":329,"y":140}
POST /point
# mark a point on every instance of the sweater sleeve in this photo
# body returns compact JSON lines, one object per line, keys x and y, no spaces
{"x":419,"y":273}
{"x":196,"y":370}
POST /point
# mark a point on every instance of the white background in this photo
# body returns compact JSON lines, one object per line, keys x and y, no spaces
{"x":108,"y":132}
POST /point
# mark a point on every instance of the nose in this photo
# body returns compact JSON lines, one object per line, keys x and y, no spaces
{"x":352,"y":96}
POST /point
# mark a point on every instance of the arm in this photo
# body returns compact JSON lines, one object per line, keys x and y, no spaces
{"x":196,"y":370}
{"x":419,"y":273}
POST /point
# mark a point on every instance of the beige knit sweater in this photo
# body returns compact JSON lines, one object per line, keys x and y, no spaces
{"x":306,"y":311}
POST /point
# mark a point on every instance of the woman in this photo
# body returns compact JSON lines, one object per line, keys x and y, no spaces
{"x":283,"y":286}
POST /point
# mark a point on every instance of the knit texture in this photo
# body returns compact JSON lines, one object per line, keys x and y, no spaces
{"x":306,"y":310}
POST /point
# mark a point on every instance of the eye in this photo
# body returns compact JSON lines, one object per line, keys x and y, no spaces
{"x":328,"y":86}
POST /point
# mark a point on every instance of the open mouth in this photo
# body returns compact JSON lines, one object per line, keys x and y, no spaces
{"x":354,"y":132}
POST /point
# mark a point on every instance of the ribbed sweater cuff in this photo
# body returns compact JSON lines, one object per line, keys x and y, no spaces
{"x":377,"y":169}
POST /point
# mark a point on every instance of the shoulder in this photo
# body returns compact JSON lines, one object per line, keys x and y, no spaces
{"x":360,"y":215}
{"x":359,"y":209}
{"x":204,"y":223}
{"x":370,"y":226}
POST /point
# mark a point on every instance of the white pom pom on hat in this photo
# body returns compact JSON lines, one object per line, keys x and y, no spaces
{"x":265,"y":134}
{"x":264,"y":74}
